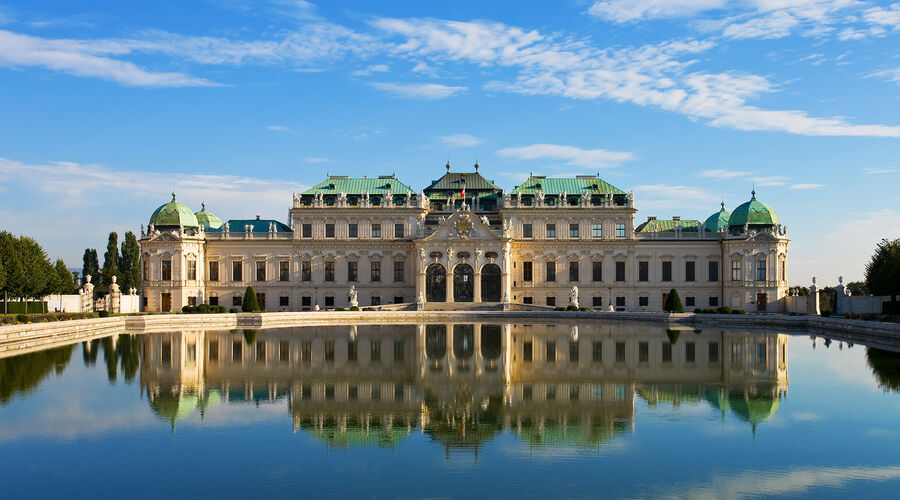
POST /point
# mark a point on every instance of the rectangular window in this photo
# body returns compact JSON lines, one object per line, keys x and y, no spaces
{"x":643,"y":352}
{"x":573,"y":352}
{"x":145,"y":270}
{"x":713,"y":302}
{"x":214,"y":270}
{"x":573,"y":230}
{"x":284,"y":301}
{"x":551,"y":271}
{"x":399,"y":349}
{"x":761,"y":353}
{"x":352,"y":270}
{"x":191,"y":270}
{"x":551,"y":351}
{"x":329,"y":230}
{"x":260,"y":271}
{"x":597,"y":230}
{"x":398,"y":230}
{"x":667,"y":270}
{"x":353,"y":230}
{"x":667,"y":352}
{"x":284,"y":270}
{"x":527,"y":272}
{"x":573,"y":271}
{"x":551,"y":301}
{"x":643,"y":301}
{"x":376,"y":230}
{"x":735,"y":270}
{"x":620,"y":302}
{"x":620,"y":229}
{"x":783,"y":270}
{"x":760,"y":270}
{"x":620,"y":352}
{"x":213,"y":301}
{"x":643,"y":271}
{"x":690,"y":271}
{"x":713,"y":270}
{"x":376,"y":300}
{"x":551,"y":230}
{"x":596,"y":301}
{"x":398,"y":299}
{"x":329,"y":270}
{"x":398,"y":271}
{"x":597,"y":271}
{"x":526,"y":230}
{"x":306,"y":271}
{"x":236,"y":300}
{"x":527,"y":352}
{"x":376,"y":271}
{"x":166,"y":270}
{"x":690,"y":352}
{"x":375,"y":350}
{"x":351,"y":350}
{"x":620,"y":271}
{"x":690,"y":302}
{"x":306,"y":230}
{"x":597,"y":352}
{"x":192,"y":301}
{"x":329,"y":301}
{"x":306,"y":301}
{"x":713,"y":352}
{"x":528,"y":300}
{"x":212,"y":351}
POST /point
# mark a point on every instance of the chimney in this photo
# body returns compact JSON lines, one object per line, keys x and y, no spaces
{"x":651,"y":217}
{"x":676,"y":217}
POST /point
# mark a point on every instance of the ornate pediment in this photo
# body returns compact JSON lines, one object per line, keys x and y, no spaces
{"x":165,"y":236}
{"x":763,"y":237}
{"x":463,"y":226}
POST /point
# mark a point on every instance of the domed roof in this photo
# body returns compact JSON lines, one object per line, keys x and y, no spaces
{"x":174,"y":214}
{"x":717,"y":221}
{"x":753,"y":213}
{"x":208,"y":220}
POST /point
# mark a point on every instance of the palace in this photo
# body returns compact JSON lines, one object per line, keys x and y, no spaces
{"x":550,"y":242}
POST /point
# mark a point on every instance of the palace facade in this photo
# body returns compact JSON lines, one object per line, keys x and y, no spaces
{"x":548,"y":242}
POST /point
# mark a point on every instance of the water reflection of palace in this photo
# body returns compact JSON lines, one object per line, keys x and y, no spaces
{"x":461,"y":384}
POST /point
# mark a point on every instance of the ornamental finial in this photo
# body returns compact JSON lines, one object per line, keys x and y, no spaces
{"x":173,"y":195}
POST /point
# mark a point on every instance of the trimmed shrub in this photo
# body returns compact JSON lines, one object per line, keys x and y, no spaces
{"x":103,"y":314}
{"x":698,"y":311}
{"x":233,"y":310}
{"x":673,"y":303}
{"x":251,"y":303}
{"x":203,"y":308}
{"x":354,"y":308}
{"x":188,"y":309}
{"x":219,"y":309}
{"x":738,"y":311}
{"x":571,"y":307}
{"x":724,"y":310}
{"x":22,"y":318}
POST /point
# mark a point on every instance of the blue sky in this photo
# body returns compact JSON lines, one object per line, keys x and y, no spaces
{"x":106,"y":107}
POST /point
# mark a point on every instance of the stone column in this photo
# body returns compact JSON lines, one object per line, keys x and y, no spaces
{"x":476,"y":349}
{"x":420,"y":351}
{"x":476,"y":291}
{"x":449,"y":284}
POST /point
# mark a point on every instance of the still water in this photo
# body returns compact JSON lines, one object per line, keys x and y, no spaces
{"x":457,"y":410}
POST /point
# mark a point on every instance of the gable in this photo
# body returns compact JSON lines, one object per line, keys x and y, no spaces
{"x":463,"y":226}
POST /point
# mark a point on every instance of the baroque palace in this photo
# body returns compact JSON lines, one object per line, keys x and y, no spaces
{"x":549,"y":242}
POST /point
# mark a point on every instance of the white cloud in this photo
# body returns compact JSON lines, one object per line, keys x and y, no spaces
{"x":669,"y":197}
{"x":425,"y":91}
{"x":460,"y":140}
{"x":775,"y":25}
{"x":316,"y":159}
{"x":889,"y":17}
{"x":887,"y":170}
{"x":775,"y":180}
{"x":722,"y":174}
{"x":279,"y":128}
{"x":807,"y":186}
{"x":377,"y":68}
{"x":892,"y":74}
{"x":570,"y":155}
{"x":77,"y":58}
{"x":622,"y":11}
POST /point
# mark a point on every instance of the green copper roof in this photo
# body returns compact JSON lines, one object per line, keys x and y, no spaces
{"x":336,"y":184}
{"x":174,"y":214}
{"x":718,"y":221}
{"x":208,"y":220}
{"x":753,"y":213}
{"x":455,"y":181}
{"x":571,"y":185}
{"x":668,"y":225}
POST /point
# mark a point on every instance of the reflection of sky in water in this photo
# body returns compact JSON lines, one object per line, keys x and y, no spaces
{"x":834,"y":433}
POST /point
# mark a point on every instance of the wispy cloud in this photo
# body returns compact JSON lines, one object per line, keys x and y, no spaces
{"x":459,"y":140}
{"x":807,"y":186}
{"x":376,"y":68}
{"x":425,"y":91}
{"x":887,"y":170}
{"x":279,"y":128}
{"x":622,"y":11}
{"x":569,"y":155}
{"x":316,"y":159}
{"x":722,"y":174}
{"x":774,"y":180}
{"x":665,"y":196}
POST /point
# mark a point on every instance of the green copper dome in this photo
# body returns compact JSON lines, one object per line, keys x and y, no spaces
{"x":717,"y":221}
{"x":208,"y":220}
{"x":753,"y":213}
{"x":174,"y":214}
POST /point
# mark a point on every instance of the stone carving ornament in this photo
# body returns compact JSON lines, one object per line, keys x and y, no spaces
{"x":464,"y":227}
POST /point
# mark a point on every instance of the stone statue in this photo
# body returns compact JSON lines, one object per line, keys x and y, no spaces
{"x":563,"y":199}
{"x":506,"y":199}
{"x":539,"y":198}
{"x":366,"y":199}
{"x":408,"y":197}
{"x":388,"y":198}
{"x":746,"y":228}
{"x":840,"y":280}
{"x":152,"y":229}
{"x":519,"y":199}
{"x":585,"y":198}
{"x":485,"y":220}
{"x":342,"y":199}
{"x":296,"y":200}
{"x":609,"y":199}
{"x":353,"y":294}
{"x":422,"y":255}
{"x":573,"y":296}
{"x":814,"y":281}
{"x":142,"y":229}
{"x":507,"y":226}
{"x":442,"y":220}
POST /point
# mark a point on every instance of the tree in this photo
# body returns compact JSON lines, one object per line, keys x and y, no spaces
{"x":858,"y":288}
{"x":251,"y":303}
{"x":130,"y":262}
{"x":12,"y":267}
{"x":90,"y":266}
{"x":38,"y":273}
{"x":673,"y":303}
{"x":883,"y":271}
{"x":111,"y":260}
{"x":66,"y":282}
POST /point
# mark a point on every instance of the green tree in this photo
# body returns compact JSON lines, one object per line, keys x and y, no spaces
{"x":130,"y":262}
{"x":65,"y":280}
{"x":111,"y":260}
{"x":39,"y":275}
{"x":883,"y":271}
{"x":673,"y":302}
{"x":90,"y":266}
{"x":858,"y":288}
{"x":251,"y":303}
{"x":11,"y":256}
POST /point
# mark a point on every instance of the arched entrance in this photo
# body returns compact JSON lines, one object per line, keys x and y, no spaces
{"x":436,"y":283}
{"x":490,"y":283}
{"x":463,"y":283}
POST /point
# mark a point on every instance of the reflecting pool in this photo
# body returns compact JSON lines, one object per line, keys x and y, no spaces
{"x":452,"y":410}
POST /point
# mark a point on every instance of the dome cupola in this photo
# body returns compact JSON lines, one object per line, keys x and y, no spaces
{"x":754,"y":214}
{"x":208,"y":220}
{"x":718,"y":221}
{"x":174,"y":214}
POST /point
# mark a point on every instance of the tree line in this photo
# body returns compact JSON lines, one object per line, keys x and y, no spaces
{"x":27,"y":273}
{"x":125,"y":265}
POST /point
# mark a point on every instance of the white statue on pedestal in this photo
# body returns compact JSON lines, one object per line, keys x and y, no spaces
{"x":353,"y":294}
{"x":573,"y":296}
